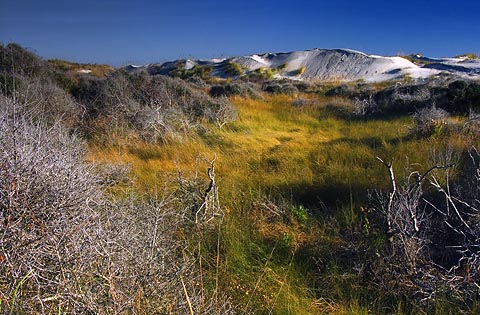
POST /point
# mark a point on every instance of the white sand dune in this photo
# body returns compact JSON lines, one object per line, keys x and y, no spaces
{"x":333,"y":64}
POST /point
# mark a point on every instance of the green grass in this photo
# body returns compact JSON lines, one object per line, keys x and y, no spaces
{"x":16,"y":291}
{"x":315,"y":166}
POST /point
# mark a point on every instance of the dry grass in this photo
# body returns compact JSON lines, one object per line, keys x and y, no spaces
{"x":306,"y":153}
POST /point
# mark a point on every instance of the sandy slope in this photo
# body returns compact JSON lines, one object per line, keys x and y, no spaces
{"x":331,"y":64}
{"x":336,"y":64}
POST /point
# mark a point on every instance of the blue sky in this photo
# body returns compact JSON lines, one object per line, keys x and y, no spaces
{"x":120,"y":32}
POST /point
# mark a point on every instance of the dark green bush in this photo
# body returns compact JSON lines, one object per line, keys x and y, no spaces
{"x":10,"y":84}
{"x":245,"y":89}
{"x":16,"y":59}
{"x":233,"y":69}
{"x":280,"y":88}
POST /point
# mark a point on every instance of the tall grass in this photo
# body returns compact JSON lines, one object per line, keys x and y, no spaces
{"x":277,"y":157}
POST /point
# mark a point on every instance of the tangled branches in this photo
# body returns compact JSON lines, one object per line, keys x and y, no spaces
{"x":432,"y":224}
{"x":66,"y":245}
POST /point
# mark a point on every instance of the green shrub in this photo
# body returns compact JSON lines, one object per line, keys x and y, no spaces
{"x":300,"y":213}
{"x":468,"y":56}
{"x":201,"y":71}
{"x":233,"y":69}
{"x":280,"y":88}
{"x":299,"y":71}
{"x":283,"y":66}
{"x":10,"y":84}
{"x":16,"y":59}
{"x":261,"y":74}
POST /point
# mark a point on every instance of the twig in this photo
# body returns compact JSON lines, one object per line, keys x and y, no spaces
{"x":186,"y":296}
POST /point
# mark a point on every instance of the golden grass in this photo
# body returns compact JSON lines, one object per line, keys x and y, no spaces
{"x":307,"y":153}
{"x":98,"y":70}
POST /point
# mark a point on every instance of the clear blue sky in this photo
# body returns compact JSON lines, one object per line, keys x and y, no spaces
{"x":120,"y":32}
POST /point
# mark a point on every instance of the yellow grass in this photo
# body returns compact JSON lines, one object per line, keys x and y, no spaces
{"x":307,"y":153}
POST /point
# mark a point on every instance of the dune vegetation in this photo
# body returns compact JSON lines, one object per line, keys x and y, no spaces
{"x":137,"y":194}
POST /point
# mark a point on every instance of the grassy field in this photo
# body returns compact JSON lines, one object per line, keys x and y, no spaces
{"x":293,"y":184}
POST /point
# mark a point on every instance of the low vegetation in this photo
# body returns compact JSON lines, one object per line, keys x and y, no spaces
{"x":74,"y":67}
{"x":299,"y":71}
{"x":201,"y":71}
{"x":468,"y":56}
{"x":233,"y":69}
{"x":261,"y":74}
{"x":138,"y":194}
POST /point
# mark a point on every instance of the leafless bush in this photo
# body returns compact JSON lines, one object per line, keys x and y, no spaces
{"x":43,"y":100}
{"x":472,"y":124}
{"x":65,"y":246}
{"x":433,"y":237}
{"x":411,"y":93}
{"x":113,"y":174}
{"x":161,"y":108}
{"x":405,"y":221}
{"x":46,"y":197}
{"x":222,"y":113}
{"x":51,"y":102}
{"x":200,"y":197}
{"x":145,"y":265}
{"x":429,"y":121}
{"x":364,"y":106}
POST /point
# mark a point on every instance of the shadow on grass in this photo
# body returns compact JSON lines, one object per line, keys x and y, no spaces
{"x":374,"y":143}
{"x":324,"y":199}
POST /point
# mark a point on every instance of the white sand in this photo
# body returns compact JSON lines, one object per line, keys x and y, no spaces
{"x":342,"y":65}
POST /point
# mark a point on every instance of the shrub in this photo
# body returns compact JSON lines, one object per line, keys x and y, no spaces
{"x":178,"y":70}
{"x":299,"y":71}
{"x":9,"y":84}
{"x":430,"y":222}
{"x":282,"y":67}
{"x":200,"y":71}
{"x":302,"y":86}
{"x":364,"y":106}
{"x":403,"y":98}
{"x":468,"y":56}
{"x":244,"y":89}
{"x":341,"y":90}
{"x":44,"y":100}
{"x":300,"y":102}
{"x":261,"y":74}
{"x":30,"y":84}
{"x":17,"y":60}
{"x":429,"y":121}
{"x":46,"y":197}
{"x":160,"y":108}
{"x":65,"y":246}
{"x":280,"y":88}
{"x":233,"y":69}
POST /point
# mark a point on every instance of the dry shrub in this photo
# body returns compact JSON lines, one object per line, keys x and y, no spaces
{"x":161,"y":108}
{"x":66,"y":247}
{"x":47,"y":195}
{"x":45,"y":101}
{"x":431,"y":222}
{"x":429,"y":121}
